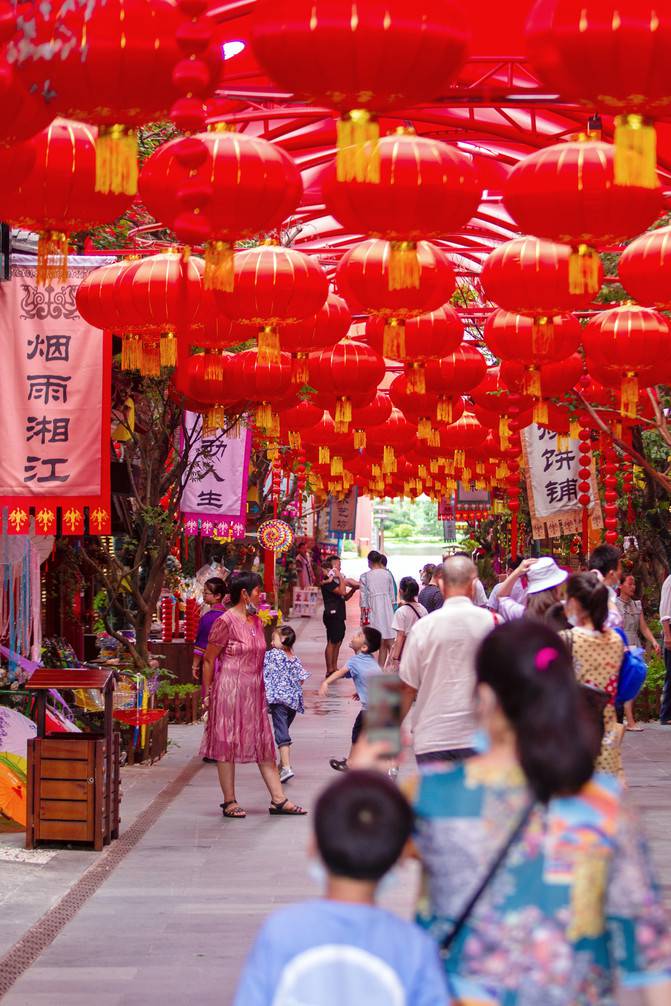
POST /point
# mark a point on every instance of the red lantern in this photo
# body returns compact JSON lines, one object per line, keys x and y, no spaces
{"x":513,"y":337}
{"x":566,"y":193}
{"x":110,"y":64}
{"x":420,"y":408}
{"x":417,"y":340}
{"x":97,"y":300}
{"x":614,"y":59}
{"x":328,"y":326}
{"x":160,"y":295}
{"x":362,"y":278}
{"x":349,"y":368}
{"x":248,"y":186}
{"x":265,"y":382}
{"x":427,"y":190}
{"x":644,"y":269}
{"x":195,"y":379}
{"x":496,"y":406}
{"x":57,"y":194}
{"x":393,"y":434}
{"x":624,"y":344}
{"x":454,"y":374}
{"x":360,"y":60}
{"x":293,"y":421}
{"x":273,"y":286}
{"x":23,"y":113}
{"x":374,"y":413}
{"x":554,"y":379}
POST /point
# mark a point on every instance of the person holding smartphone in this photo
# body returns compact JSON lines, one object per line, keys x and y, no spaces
{"x":336,"y":591}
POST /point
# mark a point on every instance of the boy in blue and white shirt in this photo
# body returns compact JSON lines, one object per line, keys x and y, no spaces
{"x":359,"y":668}
{"x":284,"y":674}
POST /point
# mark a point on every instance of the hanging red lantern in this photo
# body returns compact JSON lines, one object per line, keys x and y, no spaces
{"x":110,"y":64}
{"x":454,"y":374}
{"x":417,"y":341}
{"x":56,"y":195}
{"x":554,"y":379}
{"x":349,"y":368}
{"x":265,"y":382}
{"x":97,"y":300}
{"x":585,"y":484}
{"x":362,"y":278}
{"x":566,"y":193}
{"x":360,"y":61}
{"x":393,"y":434}
{"x":218,"y":395}
{"x":295,"y":420}
{"x":162,"y":295}
{"x":625,"y":345}
{"x":420,"y":408}
{"x":248,"y":187}
{"x":644,"y":269}
{"x":374,"y":413}
{"x":273,"y":286}
{"x":512,"y":337}
{"x":427,"y":190}
{"x":23,"y":113}
{"x":614,"y":60}
{"x":328,"y":326}
{"x":464,"y":435}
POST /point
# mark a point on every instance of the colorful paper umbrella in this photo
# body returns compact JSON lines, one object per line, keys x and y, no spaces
{"x":15,"y":732}
{"x":13,"y":789}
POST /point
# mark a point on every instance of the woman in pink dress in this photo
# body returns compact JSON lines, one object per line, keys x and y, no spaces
{"x":238,"y":729}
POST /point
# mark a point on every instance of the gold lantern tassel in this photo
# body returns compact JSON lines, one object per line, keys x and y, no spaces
{"x":540,"y":414}
{"x":479,"y":468}
{"x":562,"y":442}
{"x":629,"y":396}
{"x":131,"y":352}
{"x":168,"y":349}
{"x":219,"y":266}
{"x":434,"y":438}
{"x":376,"y":471}
{"x":324,"y":455}
{"x":299,"y":369}
{"x":424,"y":429}
{"x":532,"y":382}
{"x":393,"y":342}
{"x":150,"y":365}
{"x":343,"y":414}
{"x":433,"y":467}
{"x":444,"y":410}
{"x":358,"y":155}
{"x":416,"y":376}
{"x":52,"y":258}
{"x":215,"y":417}
{"x":275,"y":426}
{"x":405,"y":269}
{"x":583,"y":270}
{"x":214,"y":368}
{"x":466,"y":475}
{"x":502,"y":471}
{"x":635,"y":152}
{"x":542,"y":331}
{"x":235,"y":430}
{"x":116,"y":160}
{"x":359,"y":439}
{"x":263,"y":416}
{"x":504,"y":433}
{"x":336,"y":465}
{"x":294,"y":440}
{"x":388,"y":459}
{"x":269,"y":344}
{"x":459,"y":458}
{"x":574,"y":429}
{"x":422,"y":471}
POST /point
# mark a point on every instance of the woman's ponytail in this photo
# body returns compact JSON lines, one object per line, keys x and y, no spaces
{"x":591,"y":593}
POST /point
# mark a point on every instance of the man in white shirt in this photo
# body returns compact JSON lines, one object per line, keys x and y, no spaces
{"x":438,"y":668}
{"x":665,"y":619}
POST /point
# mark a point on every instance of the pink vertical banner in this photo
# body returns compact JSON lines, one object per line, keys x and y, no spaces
{"x":214,"y":500}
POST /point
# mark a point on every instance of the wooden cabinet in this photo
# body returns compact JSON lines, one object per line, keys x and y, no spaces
{"x":73,"y":779}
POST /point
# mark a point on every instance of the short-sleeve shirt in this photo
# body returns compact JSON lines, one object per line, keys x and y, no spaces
{"x":407,"y":615}
{"x":573,"y":904}
{"x":330,"y":953}
{"x":631,"y":612}
{"x":283,"y":676}
{"x":334,"y":604}
{"x":361,"y":666}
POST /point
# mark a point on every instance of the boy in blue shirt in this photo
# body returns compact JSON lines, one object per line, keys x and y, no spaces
{"x":359,"y":668}
{"x":342,"y":950}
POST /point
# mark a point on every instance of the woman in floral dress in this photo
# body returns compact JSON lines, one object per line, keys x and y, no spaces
{"x":597,"y":654}
{"x":238,"y":729}
{"x":572,"y":909}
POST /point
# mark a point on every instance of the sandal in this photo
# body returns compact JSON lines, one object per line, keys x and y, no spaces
{"x":635,"y":729}
{"x":234,"y":805}
{"x":281,"y":808}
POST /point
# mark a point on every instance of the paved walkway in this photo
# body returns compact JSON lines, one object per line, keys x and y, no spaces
{"x":175,"y":918}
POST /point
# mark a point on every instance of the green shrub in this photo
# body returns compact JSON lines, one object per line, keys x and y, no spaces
{"x":176,"y":691}
{"x":404,"y":531}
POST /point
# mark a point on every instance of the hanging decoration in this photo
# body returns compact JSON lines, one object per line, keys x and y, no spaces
{"x":320,"y":331}
{"x":584,"y":485}
{"x":56,"y":415}
{"x":349,"y":370}
{"x":276,"y":536}
{"x":417,"y":341}
{"x":643,"y":269}
{"x":214,"y":500}
{"x":608,"y":471}
{"x":360,"y":61}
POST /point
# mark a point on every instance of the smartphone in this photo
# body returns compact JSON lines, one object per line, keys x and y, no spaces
{"x":383,"y":716}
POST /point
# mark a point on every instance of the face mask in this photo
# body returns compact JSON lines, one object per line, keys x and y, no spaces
{"x":251,"y":609}
{"x":573,"y":620}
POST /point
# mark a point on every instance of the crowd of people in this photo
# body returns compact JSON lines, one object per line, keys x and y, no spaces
{"x":536,"y":886}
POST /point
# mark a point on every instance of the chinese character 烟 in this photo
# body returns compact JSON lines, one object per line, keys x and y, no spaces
{"x":53,"y":348}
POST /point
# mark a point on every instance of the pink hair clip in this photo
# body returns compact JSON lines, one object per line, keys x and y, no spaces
{"x":545,"y":657}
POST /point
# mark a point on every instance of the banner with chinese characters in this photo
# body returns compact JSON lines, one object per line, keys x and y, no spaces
{"x":55,"y":410}
{"x":342,"y":515}
{"x":214,"y":501}
{"x":551,"y":463}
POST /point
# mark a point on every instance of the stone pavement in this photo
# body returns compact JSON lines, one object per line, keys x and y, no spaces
{"x":175,"y":918}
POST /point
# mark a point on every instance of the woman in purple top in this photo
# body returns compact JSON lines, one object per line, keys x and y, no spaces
{"x":214,"y":591}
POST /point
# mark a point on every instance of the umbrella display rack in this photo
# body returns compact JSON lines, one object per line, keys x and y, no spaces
{"x":73,"y":778}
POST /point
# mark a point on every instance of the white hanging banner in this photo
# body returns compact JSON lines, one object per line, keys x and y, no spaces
{"x":214,"y":500}
{"x":552,"y":463}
